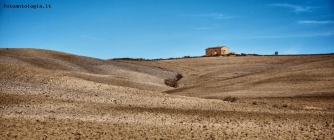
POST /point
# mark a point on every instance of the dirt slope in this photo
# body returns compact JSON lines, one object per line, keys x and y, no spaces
{"x":252,"y":76}
{"x":54,"y":95}
{"x":41,"y":66}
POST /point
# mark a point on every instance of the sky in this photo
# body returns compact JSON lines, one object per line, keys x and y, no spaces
{"x":168,"y":28}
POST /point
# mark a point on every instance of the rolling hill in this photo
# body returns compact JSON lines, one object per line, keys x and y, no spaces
{"x":47,"y":94}
{"x":252,"y":76}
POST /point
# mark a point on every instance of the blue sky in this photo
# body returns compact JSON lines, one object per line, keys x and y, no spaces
{"x":169,"y":28}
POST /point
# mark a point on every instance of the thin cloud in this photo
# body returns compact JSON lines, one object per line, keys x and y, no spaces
{"x":300,"y":35}
{"x":212,"y":15}
{"x":330,"y":33}
{"x":295,"y":8}
{"x":320,"y":34}
{"x":315,"y":22}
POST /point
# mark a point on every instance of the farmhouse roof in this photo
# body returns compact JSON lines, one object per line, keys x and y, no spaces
{"x":217,"y":47}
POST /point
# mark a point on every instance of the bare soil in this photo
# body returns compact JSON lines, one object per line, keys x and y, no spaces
{"x":54,"y":95}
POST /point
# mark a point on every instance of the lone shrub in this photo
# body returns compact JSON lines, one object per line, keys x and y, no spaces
{"x":232,"y":53}
{"x":275,"y":105}
{"x":230,"y":99}
{"x":171,"y":82}
{"x":243,"y":54}
{"x":178,"y":76}
{"x":254,"y":103}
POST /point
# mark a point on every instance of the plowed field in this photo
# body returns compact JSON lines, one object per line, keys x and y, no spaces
{"x":53,"y":95}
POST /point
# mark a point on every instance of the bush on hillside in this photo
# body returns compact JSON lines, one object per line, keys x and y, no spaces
{"x":230,"y":99}
{"x":178,"y":76}
{"x":171,"y":82}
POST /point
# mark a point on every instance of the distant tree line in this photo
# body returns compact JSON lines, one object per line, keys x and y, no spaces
{"x":230,"y":54}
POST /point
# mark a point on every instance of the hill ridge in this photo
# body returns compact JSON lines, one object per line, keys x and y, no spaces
{"x":72,"y":65}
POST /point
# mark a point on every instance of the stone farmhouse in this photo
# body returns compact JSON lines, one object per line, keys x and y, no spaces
{"x":214,"y":51}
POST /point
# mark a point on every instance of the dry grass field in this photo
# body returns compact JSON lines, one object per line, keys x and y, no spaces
{"x":54,"y":95}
